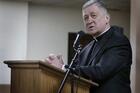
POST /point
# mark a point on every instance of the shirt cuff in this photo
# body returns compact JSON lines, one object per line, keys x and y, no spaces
{"x":63,"y":67}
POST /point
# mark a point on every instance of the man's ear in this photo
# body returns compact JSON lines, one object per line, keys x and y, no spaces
{"x":107,"y":18}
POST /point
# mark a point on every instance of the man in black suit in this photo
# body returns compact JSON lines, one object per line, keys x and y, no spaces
{"x":107,"y":59}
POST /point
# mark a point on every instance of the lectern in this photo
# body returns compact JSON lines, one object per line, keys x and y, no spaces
{"x":35,"y":76}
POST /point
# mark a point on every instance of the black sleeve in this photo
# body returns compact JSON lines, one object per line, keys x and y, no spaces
{"x":113,"y":60}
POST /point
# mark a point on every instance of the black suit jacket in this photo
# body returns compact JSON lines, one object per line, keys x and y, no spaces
{"x":109,"y":64}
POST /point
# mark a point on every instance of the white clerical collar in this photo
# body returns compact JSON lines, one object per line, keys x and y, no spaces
{"x":95,"y":38}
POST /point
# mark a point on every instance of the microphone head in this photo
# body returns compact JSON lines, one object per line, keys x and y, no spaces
{"x":81,"y":33}
{"x":77,"y":40}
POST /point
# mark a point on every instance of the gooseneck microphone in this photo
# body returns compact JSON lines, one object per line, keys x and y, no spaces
{"x":77,"y":40}
{"x":77,"y":48}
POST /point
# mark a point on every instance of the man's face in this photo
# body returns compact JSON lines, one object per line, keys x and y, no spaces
{"x":95,"y":20}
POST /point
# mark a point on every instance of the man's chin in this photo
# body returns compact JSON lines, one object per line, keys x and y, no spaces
{"x":91,"y":32}
{"x":94,"y":34}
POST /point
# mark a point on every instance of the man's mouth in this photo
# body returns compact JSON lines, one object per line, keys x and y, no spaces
{"x":90,"y":27}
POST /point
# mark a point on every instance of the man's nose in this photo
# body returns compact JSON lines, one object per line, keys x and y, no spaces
{"x":90,"y":20}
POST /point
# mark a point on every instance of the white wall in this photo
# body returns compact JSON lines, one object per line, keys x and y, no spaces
{"x":13,"y":35}
{"x":133,"y":35}
{"x":48,"y":30}
{"x":135,"y":40}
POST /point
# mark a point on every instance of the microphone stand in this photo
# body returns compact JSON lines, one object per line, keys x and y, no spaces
{"x":77,"y":51}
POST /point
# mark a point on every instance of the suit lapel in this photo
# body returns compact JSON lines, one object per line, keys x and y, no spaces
{"x":85,"y":53}
{"x":99,"y":46}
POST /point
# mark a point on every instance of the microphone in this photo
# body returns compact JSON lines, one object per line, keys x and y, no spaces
{"x":78,"y":37}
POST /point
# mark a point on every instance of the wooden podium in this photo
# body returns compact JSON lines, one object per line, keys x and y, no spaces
{"x":34,"y":76}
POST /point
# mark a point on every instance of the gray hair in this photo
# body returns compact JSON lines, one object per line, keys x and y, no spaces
{"x":99,"y":3}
